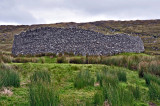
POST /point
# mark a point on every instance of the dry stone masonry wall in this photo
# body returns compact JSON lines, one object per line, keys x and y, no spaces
{"x":73,"y":40}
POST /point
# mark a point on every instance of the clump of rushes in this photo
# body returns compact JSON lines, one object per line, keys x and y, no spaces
{"x":142,"y":67}
{"x":149,"y":77}
{"x":122,"y":76}
{"x":110,"y":80}
{"x":62,"y":59}
{"x":9,"y":78}
{"x":106,"y":77}
{"x":41,"y":91}
{"x":7,"y":58}
{"x":41,"y":76}
{"x":93,"y":59}
{"x":42,"y":94}
{"x":118,"y":96}
{"x":154,"y":91}
{"x":83,"y":79}
{"x":152,"y":67}
{"x":135,"y":91}
{"x":24,"y":60}
{"x":100,"y":76}
{"x":77,"y":60}
{"x":98,"y":99}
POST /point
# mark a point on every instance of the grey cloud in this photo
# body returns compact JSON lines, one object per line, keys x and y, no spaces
{"x":115,"y":6}
{"x":12,"y":12}
{"x":22,"y":11}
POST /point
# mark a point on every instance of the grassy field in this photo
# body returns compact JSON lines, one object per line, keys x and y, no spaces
{"x":65,"y":84}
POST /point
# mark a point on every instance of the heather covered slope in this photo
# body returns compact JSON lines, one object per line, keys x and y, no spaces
{"x":148,"y":30}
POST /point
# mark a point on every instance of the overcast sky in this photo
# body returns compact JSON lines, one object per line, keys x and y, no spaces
{"x":54,"y":11}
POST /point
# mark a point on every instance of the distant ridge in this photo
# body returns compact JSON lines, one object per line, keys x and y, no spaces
{"x":147,"y":30}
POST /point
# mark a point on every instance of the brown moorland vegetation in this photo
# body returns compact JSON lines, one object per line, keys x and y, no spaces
{"x":148,"y":30}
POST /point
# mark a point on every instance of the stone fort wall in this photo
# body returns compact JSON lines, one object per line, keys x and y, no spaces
{"x":73,"y":40}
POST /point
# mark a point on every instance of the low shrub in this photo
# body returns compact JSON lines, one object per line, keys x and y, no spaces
{"x":77,"y":60}
{"x":111,"y":61}
{"x":152,"y":67}
{"x":122,"y":76}
{"x":24,"y":60}
{"x":7,"y":58}
{"x":42,"y":94}
{"x":6,"y":66}
{"x":41,"y":76}
{"x":62,"y":59}
{"x":93,"y":59}
{"x":83,"y":79}
{"x":9,"y":78}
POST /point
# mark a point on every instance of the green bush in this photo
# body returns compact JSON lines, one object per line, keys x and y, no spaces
{"x":154,"y":91}
{"x":83,"y":79}
{"x":42,"y":94}
{"x":41,"y":76}
{"x":122,"y":76}
{"x":9,"y":78}
{"x":77,"y":60}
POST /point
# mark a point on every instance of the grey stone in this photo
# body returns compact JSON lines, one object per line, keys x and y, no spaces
{"x":73,"y":40}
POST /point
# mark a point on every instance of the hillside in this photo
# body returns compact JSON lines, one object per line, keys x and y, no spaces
{"x":148,"y":30}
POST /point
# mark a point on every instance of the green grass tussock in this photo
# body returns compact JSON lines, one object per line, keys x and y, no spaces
{"x":98,"y":99}
{"x":9,"y":78}
{"x":41,"y":76}
{"x":41,"y":90}
{"x":62,"y":59}
{"x":83,"y":79}
{"x":122,"y":76}
{"x":77,"y":60}
{"x":154,"y":91}
{"x":118,"y":96}
{"x":42,"y":94}
{"x":149,"y":77}
{"x":135,"y":91}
